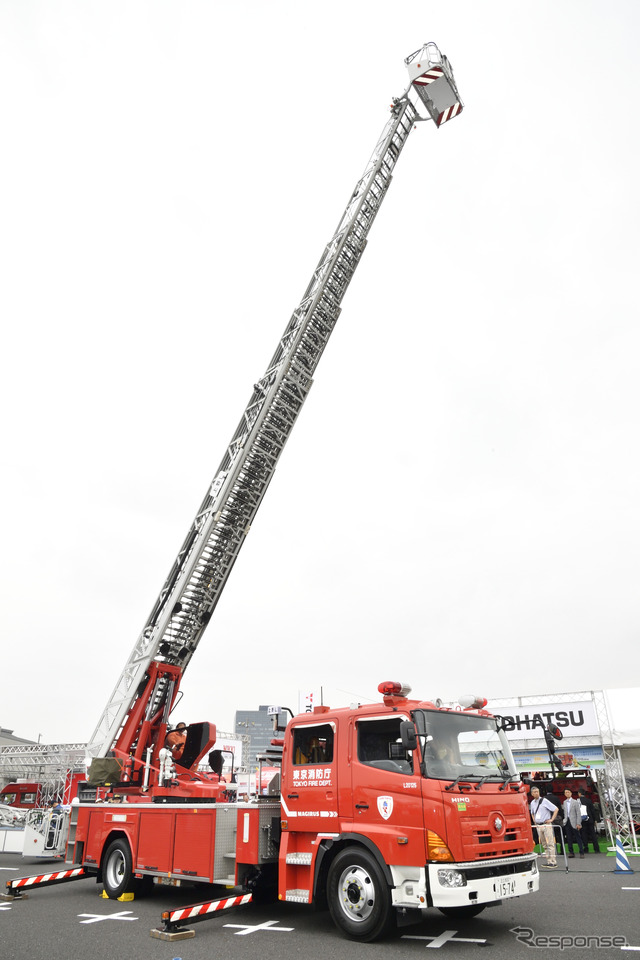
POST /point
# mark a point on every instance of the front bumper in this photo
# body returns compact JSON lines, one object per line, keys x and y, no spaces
{"x":481,"y":882}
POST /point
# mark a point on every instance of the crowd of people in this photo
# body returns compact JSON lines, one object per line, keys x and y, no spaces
{"x":577,"y":817}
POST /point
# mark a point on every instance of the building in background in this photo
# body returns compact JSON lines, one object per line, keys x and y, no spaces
{"x":7,"y":738}
{"x":258,"y":726}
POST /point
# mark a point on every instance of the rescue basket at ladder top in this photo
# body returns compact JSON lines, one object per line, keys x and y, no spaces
{"x":432,"y":79}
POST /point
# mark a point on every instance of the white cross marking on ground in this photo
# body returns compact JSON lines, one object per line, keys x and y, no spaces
{"x":96,"y":917}
{"x":5,"y":906}
{"x":8,"y":868}
{"x":447,"y":937}
{"x":245,"y":928}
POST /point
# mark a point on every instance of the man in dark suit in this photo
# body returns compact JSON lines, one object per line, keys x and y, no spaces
{"x":589,"y":834}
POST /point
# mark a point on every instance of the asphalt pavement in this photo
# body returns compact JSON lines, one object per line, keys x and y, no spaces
{"x":588,"y":911}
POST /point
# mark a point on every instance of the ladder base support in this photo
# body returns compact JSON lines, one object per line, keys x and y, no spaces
{"x":173,"y":919}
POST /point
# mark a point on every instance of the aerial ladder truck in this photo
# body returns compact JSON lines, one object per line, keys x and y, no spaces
{"x":133,"y":723}
{"x":370,"y":850}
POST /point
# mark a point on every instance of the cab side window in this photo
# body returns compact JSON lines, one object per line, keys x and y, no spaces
{"x":313,"y":744}
{"x":379,"y":745}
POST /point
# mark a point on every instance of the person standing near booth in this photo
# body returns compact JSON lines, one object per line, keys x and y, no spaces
{"x":543,"y":814}
{"x":589,"y":834}
{"x":573,"y":823}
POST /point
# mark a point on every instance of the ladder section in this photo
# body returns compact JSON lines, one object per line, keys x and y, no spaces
{"x":195,"y":582}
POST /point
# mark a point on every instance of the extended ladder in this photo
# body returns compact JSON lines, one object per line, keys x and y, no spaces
{"x":199,"y":573}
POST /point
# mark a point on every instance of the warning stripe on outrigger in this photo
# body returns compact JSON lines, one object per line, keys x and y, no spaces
{"x":199,"y":911}
{"x":14,"y":886}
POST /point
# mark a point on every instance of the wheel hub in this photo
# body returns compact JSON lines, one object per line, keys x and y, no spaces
{"x":115,"y":868}
{"x":354,"y":893}
{"x":357,"y":894}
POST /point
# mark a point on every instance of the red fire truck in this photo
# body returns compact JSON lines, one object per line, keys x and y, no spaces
{"x":385,"y":810}
{"x":382,"y":810}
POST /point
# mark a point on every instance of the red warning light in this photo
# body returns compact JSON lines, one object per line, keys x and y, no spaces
{"x":391,"y":688}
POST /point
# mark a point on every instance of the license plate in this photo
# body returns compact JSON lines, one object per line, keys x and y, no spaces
{"x":505,"y":888}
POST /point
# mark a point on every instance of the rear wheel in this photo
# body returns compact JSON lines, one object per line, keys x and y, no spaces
{"x":462,"y":913}
{"x":117,"y":871}
{"x":358,"y":895}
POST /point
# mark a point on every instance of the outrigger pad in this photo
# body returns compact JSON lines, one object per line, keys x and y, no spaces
{"x":172,"y":934}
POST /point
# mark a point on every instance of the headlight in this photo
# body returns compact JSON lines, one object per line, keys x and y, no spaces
{"x":451,"y":878}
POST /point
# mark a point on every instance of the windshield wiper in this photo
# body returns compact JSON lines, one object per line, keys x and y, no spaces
{"x":491,"y":776}
{"x":465,"y":778}
{"x":507,"y":781}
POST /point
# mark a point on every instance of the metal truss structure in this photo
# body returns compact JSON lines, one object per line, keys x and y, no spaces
{"x":51,"y":766}
{"x":612,"y":788}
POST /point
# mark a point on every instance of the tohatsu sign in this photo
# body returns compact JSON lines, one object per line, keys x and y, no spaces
{"x":577,"y":719}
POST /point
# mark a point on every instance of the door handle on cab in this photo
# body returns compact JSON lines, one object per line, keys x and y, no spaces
{"x":292,"y":796}
{"x":362,"y":806}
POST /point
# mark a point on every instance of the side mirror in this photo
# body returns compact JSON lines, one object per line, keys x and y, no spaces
{"x":408,"y":735}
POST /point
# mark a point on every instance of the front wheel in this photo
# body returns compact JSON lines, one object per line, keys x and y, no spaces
{"x":463,"y":913}
{"x":358,"y":895}
{"x":117,"y":871}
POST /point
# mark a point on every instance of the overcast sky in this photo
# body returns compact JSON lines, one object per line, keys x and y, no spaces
{"x":458,"y":504}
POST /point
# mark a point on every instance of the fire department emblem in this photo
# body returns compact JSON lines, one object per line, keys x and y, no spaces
{"x":497,"y":824}
{"x":385,"y":807}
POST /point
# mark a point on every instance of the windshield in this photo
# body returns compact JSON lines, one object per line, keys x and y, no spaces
{"x":461,"y":746}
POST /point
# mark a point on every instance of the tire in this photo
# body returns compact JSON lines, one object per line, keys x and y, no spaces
{"x":358,"y":896}
{"x":463,"y":913}
{"x":117,"y":872}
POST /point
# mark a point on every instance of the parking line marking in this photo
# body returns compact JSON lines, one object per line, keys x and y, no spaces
{"x":245,"y":928}
{"x":448,"y":936}
{"x":96,"y":917}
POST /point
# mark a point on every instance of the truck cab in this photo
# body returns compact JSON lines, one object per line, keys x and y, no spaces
{"x":400,"y":806}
